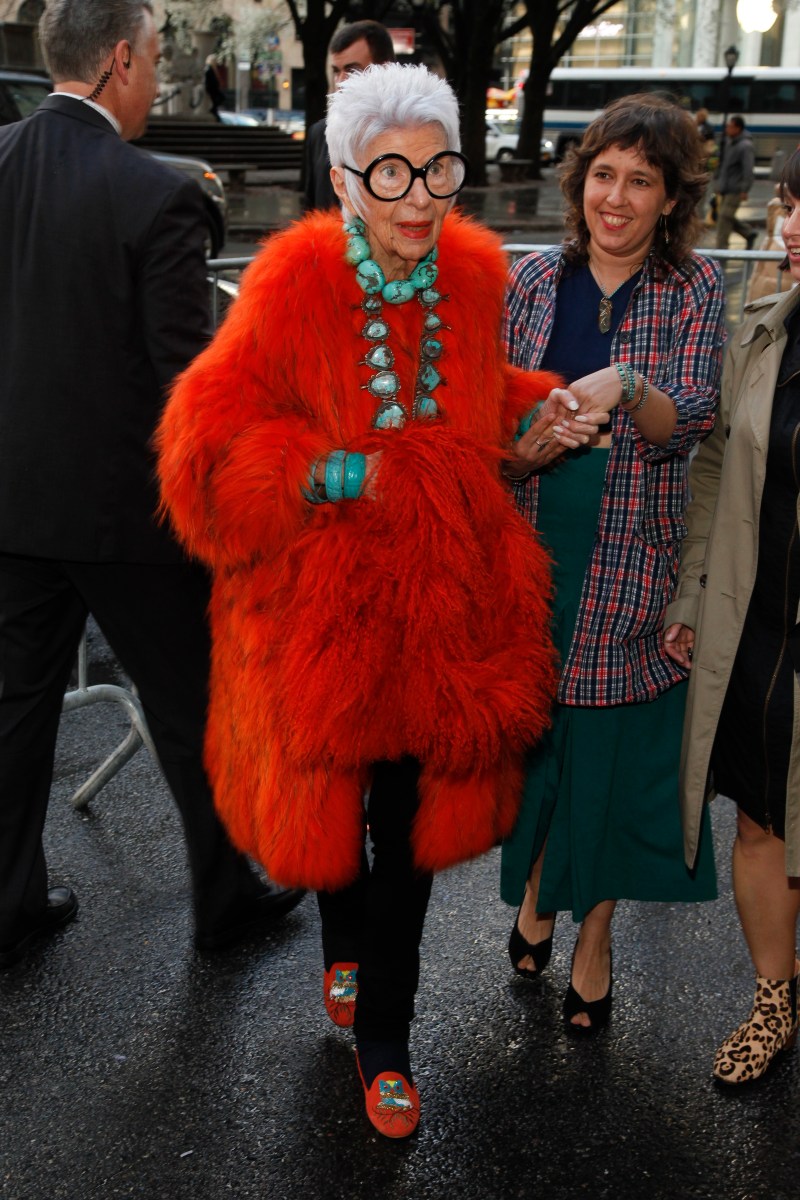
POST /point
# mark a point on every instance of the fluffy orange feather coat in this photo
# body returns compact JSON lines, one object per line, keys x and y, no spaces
{"x":416,"y":623}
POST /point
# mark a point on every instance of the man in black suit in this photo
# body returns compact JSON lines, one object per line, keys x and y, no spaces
{"x":103,"y":300}
{"x":352,"y":48}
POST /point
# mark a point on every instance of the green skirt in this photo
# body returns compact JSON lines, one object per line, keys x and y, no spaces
{"x":602,"y":786}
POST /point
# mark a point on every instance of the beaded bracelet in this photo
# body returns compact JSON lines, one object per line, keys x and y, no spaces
{"x":515,"y":478}
{"x":645,"y":390}
{"x":627,"y":378}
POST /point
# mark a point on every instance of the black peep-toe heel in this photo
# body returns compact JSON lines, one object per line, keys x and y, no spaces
{"x":598,"y":1011}
{"x":519,"y":948}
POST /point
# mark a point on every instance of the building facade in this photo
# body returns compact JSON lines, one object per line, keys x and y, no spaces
{"x":672,"y":33}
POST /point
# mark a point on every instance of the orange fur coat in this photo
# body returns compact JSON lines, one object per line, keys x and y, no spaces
{"x":415,"y":623}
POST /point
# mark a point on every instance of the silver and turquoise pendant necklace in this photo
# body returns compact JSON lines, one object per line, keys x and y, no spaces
{"x":385,"y":383}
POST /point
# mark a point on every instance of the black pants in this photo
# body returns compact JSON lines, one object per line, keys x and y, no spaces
{"x":154,"y":618}
{"x":378,"y":920}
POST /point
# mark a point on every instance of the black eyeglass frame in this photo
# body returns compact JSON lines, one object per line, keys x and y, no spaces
{"x":416,"y":173}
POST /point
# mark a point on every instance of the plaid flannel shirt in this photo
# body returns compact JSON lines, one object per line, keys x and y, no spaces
{"x":672,"y":333}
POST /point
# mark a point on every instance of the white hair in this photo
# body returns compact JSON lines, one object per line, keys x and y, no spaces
{"x":383,"y":97}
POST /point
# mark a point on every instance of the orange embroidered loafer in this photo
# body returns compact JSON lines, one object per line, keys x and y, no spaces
{"x":392,"y":1103}
{"x":340,"y":989}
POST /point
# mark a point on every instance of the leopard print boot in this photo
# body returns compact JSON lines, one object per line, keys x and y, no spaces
{"x":770,"y":1029}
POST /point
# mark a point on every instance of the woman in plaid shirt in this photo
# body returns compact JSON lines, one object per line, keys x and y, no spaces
{"x":633,"y":321}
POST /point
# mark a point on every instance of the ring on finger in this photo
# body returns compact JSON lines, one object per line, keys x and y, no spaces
{"x":690,"y":653}
{"x":542,"y":445}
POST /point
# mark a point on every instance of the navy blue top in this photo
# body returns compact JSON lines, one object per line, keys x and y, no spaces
{"x":576,"y":346}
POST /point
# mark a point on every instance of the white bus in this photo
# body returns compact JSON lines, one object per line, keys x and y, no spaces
{"x":767,"y":97}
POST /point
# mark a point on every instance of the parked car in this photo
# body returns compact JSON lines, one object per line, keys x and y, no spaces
{"x":227,"y":117}
{"x":21,"y":94}
{"x":215,"y":201}
{"x":501,"y":143}
{"x":293,"y":122}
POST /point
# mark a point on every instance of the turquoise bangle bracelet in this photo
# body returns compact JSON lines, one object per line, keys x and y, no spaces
{"x":355,"y":470}
{"x":527,"y":421}
{"x":334,"y":476}
{"x":627,"y":378}
{"x":344,"y":478}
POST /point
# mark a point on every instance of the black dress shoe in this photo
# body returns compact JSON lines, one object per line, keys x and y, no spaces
{"x":248,"y":915}
{"x":62,"y":905}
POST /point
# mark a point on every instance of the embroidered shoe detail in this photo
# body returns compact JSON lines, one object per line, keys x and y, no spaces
{"x":340,"y":993}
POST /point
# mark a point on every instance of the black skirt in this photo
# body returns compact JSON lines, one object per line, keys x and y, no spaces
{"x":750,"y":757}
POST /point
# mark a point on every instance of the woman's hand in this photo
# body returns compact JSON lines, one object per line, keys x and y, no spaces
{"x":548,"y":437}
{"x":679,"y":645}
{"x":599,"y":392}
{"x":587,"y":414}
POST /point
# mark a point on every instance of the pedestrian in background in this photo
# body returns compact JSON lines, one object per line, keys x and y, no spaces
{"x":379,"y":610}
{"x":103,"y":299}
{"x":352,"y":48}
{"x":213,"y":86}
{"x":733,"y":182}
{"x":705,"y":131}
{"x":633,"y":321}
{"x":735,"y":623}
{"x":769,"y":277}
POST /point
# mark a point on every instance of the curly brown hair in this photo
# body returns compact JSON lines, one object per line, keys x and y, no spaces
{"x":790,"y":176}
{"x":666,"y":136}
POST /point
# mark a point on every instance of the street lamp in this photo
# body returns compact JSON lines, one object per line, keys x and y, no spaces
{"x":731,"y":57}
{"x":756,"y":16}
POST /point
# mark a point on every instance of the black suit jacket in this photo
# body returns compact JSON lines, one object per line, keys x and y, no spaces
{"x":103,"y":300}
{"x":317,"y":187}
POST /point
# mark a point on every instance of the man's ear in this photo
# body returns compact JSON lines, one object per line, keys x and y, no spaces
{"x":124,"y":54}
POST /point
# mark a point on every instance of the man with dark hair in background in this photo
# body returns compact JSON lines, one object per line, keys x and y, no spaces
{"x":733,"y":182}
{"x":352,"y":48}
{"x":103,"y":301}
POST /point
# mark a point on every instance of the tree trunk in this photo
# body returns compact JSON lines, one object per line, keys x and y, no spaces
{"x":484,"y":29}
{"x":314,"y":32}
{"x":542,"y":20}
{"x":315,"y":38}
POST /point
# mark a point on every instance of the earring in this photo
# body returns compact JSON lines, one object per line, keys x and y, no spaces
{"x":664,"y":230}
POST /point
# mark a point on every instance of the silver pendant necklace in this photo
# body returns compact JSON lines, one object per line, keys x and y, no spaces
{"x":605,"y":309}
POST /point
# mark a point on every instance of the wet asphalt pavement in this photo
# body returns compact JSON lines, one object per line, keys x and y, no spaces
{"x":132,"y":1067}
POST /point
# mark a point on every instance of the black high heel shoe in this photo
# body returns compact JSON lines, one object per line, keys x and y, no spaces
{"x":519,"y":948}
{"x":598,"y":1011}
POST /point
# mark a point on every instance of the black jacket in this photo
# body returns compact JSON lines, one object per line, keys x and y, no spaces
{"x":103,"y":300}
{"x":317,"y":187}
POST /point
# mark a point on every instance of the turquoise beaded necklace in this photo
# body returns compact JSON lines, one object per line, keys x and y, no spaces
{"x":385,"y":383}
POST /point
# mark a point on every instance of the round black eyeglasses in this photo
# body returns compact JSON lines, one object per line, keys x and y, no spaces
{"x":391,"y":176}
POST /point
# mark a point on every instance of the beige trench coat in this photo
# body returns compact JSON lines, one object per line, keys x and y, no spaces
{"x":720,"y":554}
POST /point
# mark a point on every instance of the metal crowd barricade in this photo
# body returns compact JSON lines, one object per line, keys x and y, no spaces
{"x":138,"y":735}
{"x":224,"y":288}
{"x":738,"y":293}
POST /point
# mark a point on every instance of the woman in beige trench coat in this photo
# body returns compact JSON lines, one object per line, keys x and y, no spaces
{"x":735,"y":622}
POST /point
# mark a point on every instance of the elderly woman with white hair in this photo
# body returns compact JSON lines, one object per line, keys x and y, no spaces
{"x":380,"y":613}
